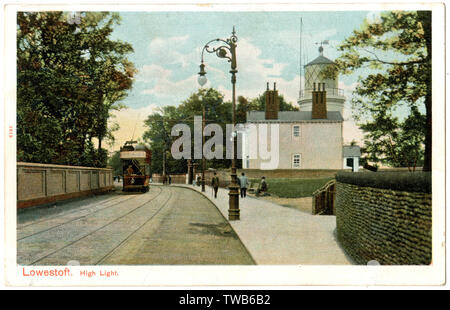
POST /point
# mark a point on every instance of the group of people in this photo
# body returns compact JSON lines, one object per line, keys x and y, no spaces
{"x":243,"y":184}
{"x":167,"y":179}
{"x":197,"y":180}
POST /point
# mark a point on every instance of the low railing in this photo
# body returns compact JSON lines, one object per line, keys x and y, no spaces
{"x":323,"y":202}
{"x":45,"y":183}
{"x":330,"y":91}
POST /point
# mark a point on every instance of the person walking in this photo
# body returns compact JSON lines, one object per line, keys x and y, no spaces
{"x":243,"y":183}
{"x":215,"y":184}
{"x":170,"y":179}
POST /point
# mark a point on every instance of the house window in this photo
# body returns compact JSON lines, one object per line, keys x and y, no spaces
{"x":296,"y":160}
{"x":296,"y":131}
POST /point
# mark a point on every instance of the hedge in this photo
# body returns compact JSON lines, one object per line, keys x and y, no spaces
{"x":401,"y":181}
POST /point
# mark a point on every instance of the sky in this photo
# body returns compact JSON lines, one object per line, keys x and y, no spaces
{"x":167,"y":53}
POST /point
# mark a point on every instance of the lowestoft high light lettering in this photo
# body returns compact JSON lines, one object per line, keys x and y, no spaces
{"x":46,"y":272}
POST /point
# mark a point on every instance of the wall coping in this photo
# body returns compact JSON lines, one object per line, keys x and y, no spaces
{"x":392,"y":180}
{"x":37,"y":165}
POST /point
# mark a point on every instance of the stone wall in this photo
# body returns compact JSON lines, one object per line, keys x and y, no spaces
{"x":392,"y":227}
{"x":176,"y":178}
{"x":43,"y":183}
{"x":285,"y":173}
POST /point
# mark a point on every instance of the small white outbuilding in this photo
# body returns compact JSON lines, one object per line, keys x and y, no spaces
{"x":351,"y":155}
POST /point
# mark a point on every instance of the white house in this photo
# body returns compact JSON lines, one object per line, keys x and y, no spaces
{"x":304,"y":142}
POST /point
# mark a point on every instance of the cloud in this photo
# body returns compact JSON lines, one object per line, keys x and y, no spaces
{"x":351,"y":130}
{"x":254,"y":72}
{"x":131,"y":122}
{"x":168,"y":85}
{"x":163,"y":87}
{"x":152,"y":72}
{"x":373,"y":17}
{"x":171,"y":50}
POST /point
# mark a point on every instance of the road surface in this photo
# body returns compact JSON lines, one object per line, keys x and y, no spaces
{"x":166,"y":226}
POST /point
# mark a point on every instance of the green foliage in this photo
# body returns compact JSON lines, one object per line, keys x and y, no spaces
{"x":115,"y":163}
{"x":159,"y":139}
{"x":293,"y":187}
{"x":259,"y":104}
{"x":160,"y":124}
{"x":69,"y":78}
{"x":405,"y":36}
{"x":393,"y":142}
{"x":401,"y":181}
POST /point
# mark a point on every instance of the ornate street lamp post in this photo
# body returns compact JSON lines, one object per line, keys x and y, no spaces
{"x":203,"y":155}
{"x":227,"y":49}
{"x":203,"y":142}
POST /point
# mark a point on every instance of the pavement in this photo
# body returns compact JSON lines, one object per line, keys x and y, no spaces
{"x":277,"y":235}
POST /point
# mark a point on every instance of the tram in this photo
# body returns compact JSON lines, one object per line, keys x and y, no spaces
{"x":135,"y":167}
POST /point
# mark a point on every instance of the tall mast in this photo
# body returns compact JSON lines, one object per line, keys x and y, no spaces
{"x":300,"y":69}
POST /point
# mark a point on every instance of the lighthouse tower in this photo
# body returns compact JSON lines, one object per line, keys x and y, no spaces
{"x":334,"y":96}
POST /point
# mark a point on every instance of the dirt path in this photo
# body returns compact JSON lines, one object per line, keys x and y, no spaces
{"x":301,"y":204}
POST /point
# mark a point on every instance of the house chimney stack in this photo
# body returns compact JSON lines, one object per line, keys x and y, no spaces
{"x":319,"y":102}
{"x":272,"y":102}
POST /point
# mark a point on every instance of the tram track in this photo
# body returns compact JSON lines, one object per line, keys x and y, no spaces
{"x":123,"y":242}
{"x":72,"y":220}
{"x":69,"y":212}
{"x":33,"y":262}
{"x":65,"y":213}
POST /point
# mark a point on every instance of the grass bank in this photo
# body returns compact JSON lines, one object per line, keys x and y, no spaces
{"x":293,"y":187}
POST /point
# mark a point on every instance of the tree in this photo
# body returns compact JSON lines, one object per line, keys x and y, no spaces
{"x":402,"y":35}
{"x":259,"y":104}
{"x":115,"y":163}
{"x":160,"y":125}
{"x":158,"y":137}
{"x":69,"y":77}
{"x":393,"y":142}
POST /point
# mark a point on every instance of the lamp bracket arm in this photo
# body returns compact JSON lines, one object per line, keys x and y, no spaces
{"x":217,"y":49}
